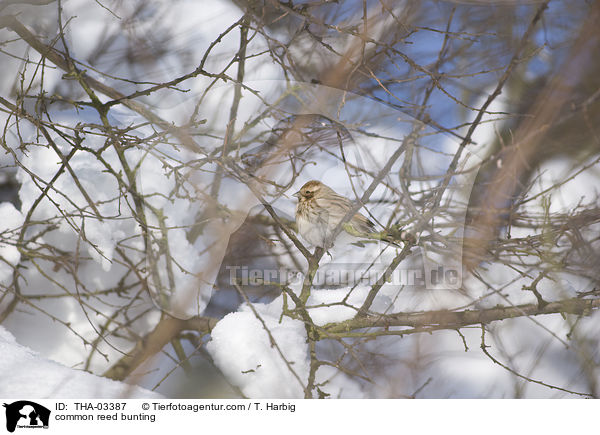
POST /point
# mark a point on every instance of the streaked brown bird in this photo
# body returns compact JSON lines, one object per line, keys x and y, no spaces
{"x":319,"y":211}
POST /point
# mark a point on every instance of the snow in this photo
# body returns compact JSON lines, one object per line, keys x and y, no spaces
{"x":26,"y":373}
{"x":240,"y":346}
{"x":242,"y":349}
{"x":10,"y":220}
{"x":328,"y":308}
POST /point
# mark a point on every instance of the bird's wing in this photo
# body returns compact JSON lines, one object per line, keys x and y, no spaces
{"x":362,"y":223}
{"x":336,"y":205}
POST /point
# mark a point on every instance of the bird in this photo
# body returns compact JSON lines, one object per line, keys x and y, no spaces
{"x":319,"y":212}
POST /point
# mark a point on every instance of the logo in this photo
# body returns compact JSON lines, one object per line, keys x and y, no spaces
{"x":26,"y":414}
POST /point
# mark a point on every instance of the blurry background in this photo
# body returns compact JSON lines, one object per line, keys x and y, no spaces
{"x":152,"y":147}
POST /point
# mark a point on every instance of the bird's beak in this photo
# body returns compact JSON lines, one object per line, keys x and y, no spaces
{"x":297,"y":194}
